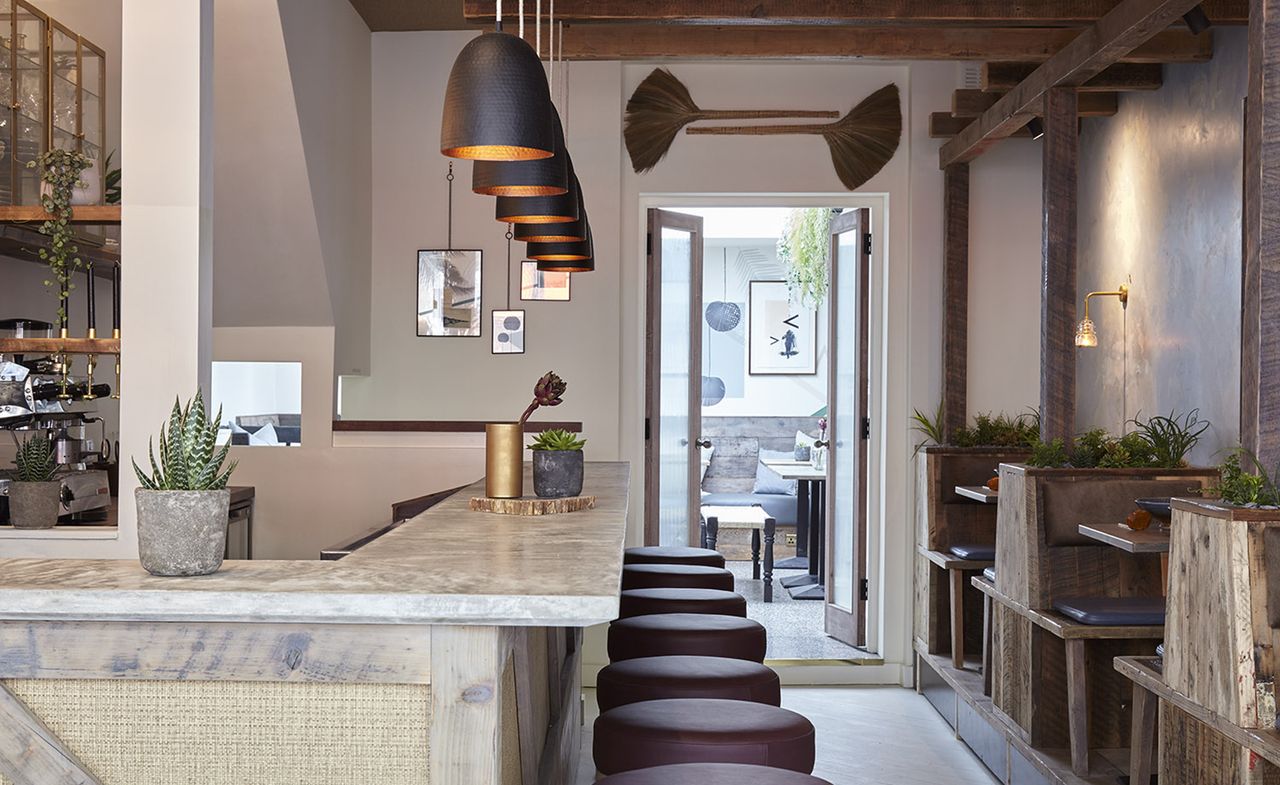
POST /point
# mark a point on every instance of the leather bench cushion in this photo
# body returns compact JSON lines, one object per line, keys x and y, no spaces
{"x":672,"y":554}
{"x":974,"y":551}
{"x":711,"y":774}
{"x":643,"y":602}
{"x":780,"y":506}
{"x":1069,"y":504}
{"x":687,"y":633}
{"x":683,"y":676}
{"x":990,"y":574}
{"x":675,"y":576}
{"x":1113,"y":611}
{"x":702,"y":730}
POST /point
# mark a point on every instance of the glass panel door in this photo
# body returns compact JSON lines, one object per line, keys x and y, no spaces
{"x":849,"y":382}
{"x":673,"y":413}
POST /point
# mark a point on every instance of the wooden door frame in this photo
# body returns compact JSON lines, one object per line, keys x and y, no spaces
{"x":653,"y":364}
{"x":850,"y":625}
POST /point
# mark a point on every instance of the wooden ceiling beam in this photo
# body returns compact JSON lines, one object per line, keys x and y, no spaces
{"x":972,"y":103}
{"x":958,"y":13}
{"x":1022,"y":47}
{"x":1127,"y":26}
{"x":1121,"y":77}
{"x":946,"y":126}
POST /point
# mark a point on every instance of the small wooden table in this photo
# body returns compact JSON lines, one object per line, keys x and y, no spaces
{"x":978,"y":493}
{"x":758,"y":521}
{"x":811,"y":509}
{"x":1149,"y":540}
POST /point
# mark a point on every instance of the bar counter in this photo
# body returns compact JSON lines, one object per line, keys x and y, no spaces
{"x":446,"y":651}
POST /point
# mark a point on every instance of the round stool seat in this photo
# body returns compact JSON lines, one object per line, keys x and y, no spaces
{"x":711,"y":774}
{"x":701,"y":730}
{"x":682,"y":676}
{"x":703,"y":634}
{"x":675,"y":576}
{"x":643,"y":602}
{"x":672,"y":554}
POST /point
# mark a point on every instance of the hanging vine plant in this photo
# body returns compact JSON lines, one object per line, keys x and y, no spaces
{"x":804,"y":249}
{"x":60,"y":172}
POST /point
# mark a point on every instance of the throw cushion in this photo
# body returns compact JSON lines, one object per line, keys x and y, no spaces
{"x":769,"y":481}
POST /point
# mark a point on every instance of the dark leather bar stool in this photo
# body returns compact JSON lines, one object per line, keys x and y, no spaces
{"x":702,"y":730}
{"x":711,"y":774}
{"x":700,"y":634}
{"x":672,"y":554}
{"x":644,"y":602}
{"x":661,"y":678}
{"x":675,"y":576}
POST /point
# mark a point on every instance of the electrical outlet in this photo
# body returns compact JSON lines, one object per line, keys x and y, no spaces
{"x":790,"y":539}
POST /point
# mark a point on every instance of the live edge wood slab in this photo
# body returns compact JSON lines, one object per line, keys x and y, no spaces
{"x":446,"y":652}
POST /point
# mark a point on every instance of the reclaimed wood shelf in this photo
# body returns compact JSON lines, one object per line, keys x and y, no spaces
{"x":60,"y":345}
{"x":89,"y":213}
{"x":978,"y":493}
{"x":1149,"y":540}
{"x":1148,"y":673}
{"x":1063,"y":626}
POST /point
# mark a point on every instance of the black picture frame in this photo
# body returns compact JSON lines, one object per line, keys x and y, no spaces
{"x":761,"y":295}
{"x":431,"y":320}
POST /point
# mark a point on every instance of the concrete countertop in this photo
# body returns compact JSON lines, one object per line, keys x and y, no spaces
{"x":448,"y":565}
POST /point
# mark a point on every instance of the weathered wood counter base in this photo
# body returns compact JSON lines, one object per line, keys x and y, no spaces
{"x":170,"y":689}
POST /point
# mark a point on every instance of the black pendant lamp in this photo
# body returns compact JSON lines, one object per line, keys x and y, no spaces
{"x":563,"y":232}
{"x":576,"y":257}
{"x":539,"y":177}
{"x":497,"y":106}
{"x":540,"y":209}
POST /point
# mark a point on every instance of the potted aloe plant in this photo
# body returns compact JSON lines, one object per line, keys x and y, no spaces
{"x":183,"y":503}
{"x":557,"y":464}
{"x":35,"y":495}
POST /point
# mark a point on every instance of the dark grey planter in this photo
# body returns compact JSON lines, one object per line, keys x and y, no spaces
{"x":182,"y":532}
{"x":557,"y":473}
{"x":34,"y":505}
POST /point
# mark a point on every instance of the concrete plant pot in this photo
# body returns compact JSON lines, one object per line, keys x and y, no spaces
{"x":182,"y":532}
{"x":35,"y":505}
{"x":557,"y":473}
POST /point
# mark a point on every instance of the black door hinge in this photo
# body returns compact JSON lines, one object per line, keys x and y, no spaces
{"x":866,"y":428}
{"x":866,"y":243}
{"x":646,"y":429}
{"x":863,"y":589}
{"x":648,"y":245}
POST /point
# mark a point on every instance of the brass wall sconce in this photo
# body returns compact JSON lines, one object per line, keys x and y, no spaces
{"x":1086,"y":333}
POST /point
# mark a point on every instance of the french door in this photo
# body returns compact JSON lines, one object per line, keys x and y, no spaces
{"x":849,"y":424}
{"x":673,"y":386}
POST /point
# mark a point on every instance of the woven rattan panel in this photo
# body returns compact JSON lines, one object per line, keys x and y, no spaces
{"x":238,"y":733}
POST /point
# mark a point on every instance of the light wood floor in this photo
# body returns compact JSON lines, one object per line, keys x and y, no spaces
{"x":866,"y":736}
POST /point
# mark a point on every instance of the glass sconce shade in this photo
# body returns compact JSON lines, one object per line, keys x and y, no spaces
{"x":537,"y":177}
{"x":1086,"y":334}
{"x":497,"y":106}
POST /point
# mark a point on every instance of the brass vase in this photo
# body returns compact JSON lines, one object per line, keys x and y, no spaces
{"x":504,"y":460}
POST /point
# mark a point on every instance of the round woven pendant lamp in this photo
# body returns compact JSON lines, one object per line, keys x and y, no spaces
{"x":540,"y":209}
{"x":537,"y":177}
{"x":497,"y":106}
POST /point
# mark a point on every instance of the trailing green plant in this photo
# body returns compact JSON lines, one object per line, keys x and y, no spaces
{"x":804,"y":250}
{"x":1253,"y":487}
{"x":1172,"y":438}
{"x":1049,"y":455}
{"x":35,"y":460}
{"x":61,"y":170}
{"x":189,"y":457}
{"x":111,"y":181}
{"x":557,"y":440}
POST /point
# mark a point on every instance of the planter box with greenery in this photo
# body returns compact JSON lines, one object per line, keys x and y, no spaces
{"x":557,"y":464}
{"x":35,"y":495}
{"x":183,"y":503}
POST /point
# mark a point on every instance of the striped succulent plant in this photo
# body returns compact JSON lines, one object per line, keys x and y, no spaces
{"x":189,"y":458}
{"x":35,"y":460}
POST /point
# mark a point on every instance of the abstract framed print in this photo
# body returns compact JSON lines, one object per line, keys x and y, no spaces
{"x":508,"y":332}
{"x":449,"y":286}
{"x":782,"y":335}
{"x":538,"y":284}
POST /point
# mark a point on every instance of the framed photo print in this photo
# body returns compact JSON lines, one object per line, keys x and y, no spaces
{"x":508,"y":332}
{"x":539,"y":285}
{"x":782,"y":335}
{"x":449,"y":294}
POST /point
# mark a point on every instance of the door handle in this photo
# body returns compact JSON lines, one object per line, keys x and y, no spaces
{"x":821,"y":443}
{"x":703,"y":443}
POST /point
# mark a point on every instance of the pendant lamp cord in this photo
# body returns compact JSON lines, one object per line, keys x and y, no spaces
{"x":521,"y":11}
{"x":510,"y":234}
{"x":564,"y":77}
{"x":449,"y":177}
{"x":497,"y":17}
{"x":537,"y":27}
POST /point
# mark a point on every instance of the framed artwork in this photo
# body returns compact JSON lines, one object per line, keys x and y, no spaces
{"x":540,"y":285}
{"x":508,"y":332}
{"x":782,"y":336}
{"x":449,"y":286}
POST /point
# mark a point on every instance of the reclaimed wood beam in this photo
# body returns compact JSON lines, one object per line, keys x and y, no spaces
{"x":1020,"y":45}
{"x":1058,"y":257}
{"x":1123,"y":29}
{"x":30,"y":753}
{"x":955,"y":298}
{"x":972,"y":103}
{"x":1260,"y":291}
{"x":1032,"y":13}
{"x":946,"y":126}
{"x":1122,"y":77}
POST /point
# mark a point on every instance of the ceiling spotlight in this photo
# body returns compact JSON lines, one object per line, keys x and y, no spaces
{"x":1036,"y":126}
{"x":1197,"y":20}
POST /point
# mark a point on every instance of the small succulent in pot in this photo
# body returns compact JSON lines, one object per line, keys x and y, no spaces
{"x":557,"y":464}
{"x":183,"y":503}
{"x":35,"y":495}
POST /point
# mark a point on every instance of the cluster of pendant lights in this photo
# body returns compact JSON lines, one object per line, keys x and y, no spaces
{"x":499,"y":114}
